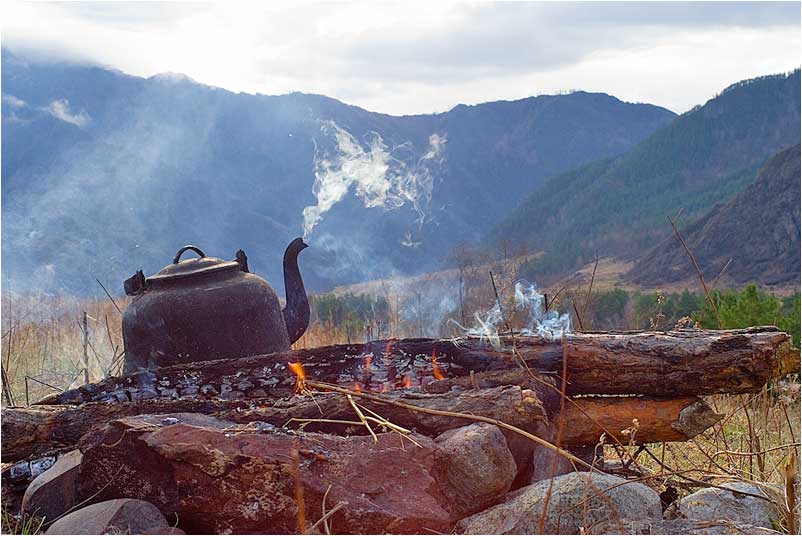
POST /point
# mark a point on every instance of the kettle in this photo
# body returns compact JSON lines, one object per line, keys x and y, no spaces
{"x":206,"y":308}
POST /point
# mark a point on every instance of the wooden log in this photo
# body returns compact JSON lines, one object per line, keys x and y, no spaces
{"x":658,"y":419}
{"x":667,"y":364}
{"x":35,"y":430}
{"x":39,"y":429}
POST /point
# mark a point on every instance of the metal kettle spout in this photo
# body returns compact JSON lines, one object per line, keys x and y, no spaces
{"x":296,"y":311}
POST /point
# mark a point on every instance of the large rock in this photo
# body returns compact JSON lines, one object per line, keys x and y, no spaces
{"x":678,"y":526}
{"x":242,"y":480}
{"x":56,"y":490}
{"x":714,"y":503}
{"x":578,"y":501}
{"x":474,"y":465}
{"x":546,"y":463}
{"x":118,"y":516}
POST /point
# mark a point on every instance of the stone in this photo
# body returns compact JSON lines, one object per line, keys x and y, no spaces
{"x":578,"y":502}
{"x":475,"y":465}
{"x":543,"y":462}
{"x":714,"y":503}
{"x":56,"y":490}
{"x":679,"y":526}
{"x":117,"y":516}
{"x":243,"y":480}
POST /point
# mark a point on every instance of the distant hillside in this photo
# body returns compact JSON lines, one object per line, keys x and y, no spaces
{"x":105,"y":173}
{"x":759,"y":228}
{"x":618,"y":206}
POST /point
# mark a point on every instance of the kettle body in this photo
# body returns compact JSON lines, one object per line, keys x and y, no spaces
{"x":205,"y":308}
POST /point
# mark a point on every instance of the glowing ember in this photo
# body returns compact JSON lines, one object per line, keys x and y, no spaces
{"x":438,"y":374}
{"x":300,"y":376}
{"x":357,"y":388}
{"x":407,"y":381}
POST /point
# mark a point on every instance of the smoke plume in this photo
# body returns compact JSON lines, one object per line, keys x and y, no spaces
{"x":379,"y":177}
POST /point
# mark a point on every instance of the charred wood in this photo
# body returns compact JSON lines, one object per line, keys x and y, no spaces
{"x":667,"y":364}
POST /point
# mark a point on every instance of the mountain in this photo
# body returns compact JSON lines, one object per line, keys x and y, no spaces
{"x":619,"y":206}
{"x":105,"y":173}
{"x":759,"y":228}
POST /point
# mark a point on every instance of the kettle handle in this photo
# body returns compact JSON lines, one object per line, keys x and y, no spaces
{"x":185,"y":248}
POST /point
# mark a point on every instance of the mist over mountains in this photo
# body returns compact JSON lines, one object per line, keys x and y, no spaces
{"x":105,"y":173}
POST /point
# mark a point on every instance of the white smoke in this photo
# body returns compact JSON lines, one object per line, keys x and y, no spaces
{"x":550,"y":325}
{"x":378,"y":178}
{"x":60,"y":109}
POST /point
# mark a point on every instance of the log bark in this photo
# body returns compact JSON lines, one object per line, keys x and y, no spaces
{"x":36,"y":430}
{"x":658,"y":419}
{"x":39,"y":429}
{"x":666,"y":364}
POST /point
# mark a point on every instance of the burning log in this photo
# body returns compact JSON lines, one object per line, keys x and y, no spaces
{"x":667,"y":364}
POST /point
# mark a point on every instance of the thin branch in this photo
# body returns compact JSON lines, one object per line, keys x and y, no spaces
{"x":698,"y":271}
{"x":590,"y":288}
{"x":109,"y":295}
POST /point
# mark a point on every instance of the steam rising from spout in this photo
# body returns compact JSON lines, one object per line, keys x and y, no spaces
{"x":379,"y":178}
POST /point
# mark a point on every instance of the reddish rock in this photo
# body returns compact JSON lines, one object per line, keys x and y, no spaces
{"x":56,"y":490}
{"x":118,"y":516}
{"x":220,"y":481}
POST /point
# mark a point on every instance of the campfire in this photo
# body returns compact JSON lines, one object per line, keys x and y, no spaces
{"x":400,"y":435}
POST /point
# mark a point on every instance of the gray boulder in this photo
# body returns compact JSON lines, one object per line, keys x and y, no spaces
{"x":56,"y":490}
{"x":709,"y":504}
{"x":579,"y":501}
{"x":679,"y":526}
{"x":118,"y":516}
{"x":475,"y":465}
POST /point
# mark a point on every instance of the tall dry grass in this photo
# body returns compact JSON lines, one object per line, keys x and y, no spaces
{"x":42,"y":343}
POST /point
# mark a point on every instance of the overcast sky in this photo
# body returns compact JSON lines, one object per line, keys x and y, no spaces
{"x":403,"y":58}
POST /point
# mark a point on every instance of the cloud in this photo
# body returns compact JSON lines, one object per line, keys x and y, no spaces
{"x":418,"y":58}
{"x":13,"y":101}
{"x":60,"y":109}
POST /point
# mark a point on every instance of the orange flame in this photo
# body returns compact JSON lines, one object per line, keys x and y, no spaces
{"x":438,"y":374}
{"x":407,"y":381}
{"x":357,"y":388}
{"x":300,"y":376}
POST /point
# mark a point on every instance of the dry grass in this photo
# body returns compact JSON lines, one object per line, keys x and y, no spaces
{"x":755,"y":441}
{"x":42,"y":341}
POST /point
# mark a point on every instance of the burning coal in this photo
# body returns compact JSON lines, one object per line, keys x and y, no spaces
{"x":379,"y":178}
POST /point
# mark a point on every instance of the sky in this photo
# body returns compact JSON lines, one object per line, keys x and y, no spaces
{"x":424,"y":57}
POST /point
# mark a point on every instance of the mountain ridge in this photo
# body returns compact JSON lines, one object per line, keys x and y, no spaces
{"x":156,"y":164}
{"x":618,"y":206}
{"x":758,"y":228}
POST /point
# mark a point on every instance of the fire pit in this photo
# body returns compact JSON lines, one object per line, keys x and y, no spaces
{"x":408,"y":435}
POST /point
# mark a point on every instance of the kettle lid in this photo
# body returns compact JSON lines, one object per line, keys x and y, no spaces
{"x":191,"y":267}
